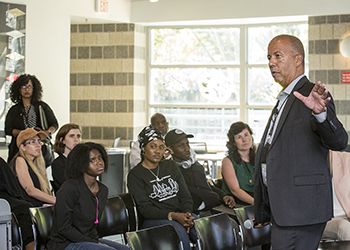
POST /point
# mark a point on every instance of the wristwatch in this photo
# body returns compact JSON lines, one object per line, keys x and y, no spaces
{"x":169,"y":216}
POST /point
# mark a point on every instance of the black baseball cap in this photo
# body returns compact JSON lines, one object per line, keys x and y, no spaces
{"x":175,"y":136}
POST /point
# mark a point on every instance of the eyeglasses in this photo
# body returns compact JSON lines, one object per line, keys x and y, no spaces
{"x":27,"y":87}
{"x":32,"y":142}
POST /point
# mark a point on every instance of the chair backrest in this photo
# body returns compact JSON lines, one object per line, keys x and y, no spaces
{"x":254,"y":236}
{"x":115,"y":219}
{"x":42,"y":218}
{"x":5,"y":217}
{"x":16,"y":232}
{"x":116,"y":142}
{"x":199,"y":147}
{"x":132,"y":211}
{"x":218,"y":183}
{"x":217,"y":232}
{"x":155,"y":238}
{"x":4,"y":207}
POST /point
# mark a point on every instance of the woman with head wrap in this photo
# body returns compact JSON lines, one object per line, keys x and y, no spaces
{"x":159,"y":189}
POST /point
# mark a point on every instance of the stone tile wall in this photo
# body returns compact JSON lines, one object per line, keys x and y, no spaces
{"x":326,"y":64}
{"x":107,"y":85}
{"x":108,"y":88}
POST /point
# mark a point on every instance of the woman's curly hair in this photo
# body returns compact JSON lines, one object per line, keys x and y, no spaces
{"x":78,"y":159}
{"x":15,"y":90}
{"x":235,"y":129}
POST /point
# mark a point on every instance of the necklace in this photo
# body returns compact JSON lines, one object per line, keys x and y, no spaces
{"x":157,"y":178}
{"x":26,"y":115}
{"x":250,"y":174}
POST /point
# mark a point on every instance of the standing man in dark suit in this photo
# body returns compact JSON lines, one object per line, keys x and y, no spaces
{"x":293,"y":184}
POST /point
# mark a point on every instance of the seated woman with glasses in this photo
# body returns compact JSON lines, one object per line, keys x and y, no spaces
{"x":26,"y":93}
{"x":29,"y":168}
{"x":81,"y":202}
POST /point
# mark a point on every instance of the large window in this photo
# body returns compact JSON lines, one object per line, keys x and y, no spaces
{"x":204,"y":79}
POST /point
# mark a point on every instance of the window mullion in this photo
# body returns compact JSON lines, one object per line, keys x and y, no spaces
{"x":243,"y":78}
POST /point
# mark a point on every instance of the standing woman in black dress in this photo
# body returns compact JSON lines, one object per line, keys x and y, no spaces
{"x":26,"y":93}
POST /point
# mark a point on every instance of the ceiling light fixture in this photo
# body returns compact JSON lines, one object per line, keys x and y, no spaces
{"x":153,"y":1}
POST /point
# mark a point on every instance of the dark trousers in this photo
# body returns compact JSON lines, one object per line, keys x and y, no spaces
{"x":296,"y":237}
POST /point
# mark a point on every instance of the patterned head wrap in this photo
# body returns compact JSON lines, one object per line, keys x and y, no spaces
{"x":147,"y":135}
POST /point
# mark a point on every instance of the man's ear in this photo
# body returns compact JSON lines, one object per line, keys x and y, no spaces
{"x":298,"y":59}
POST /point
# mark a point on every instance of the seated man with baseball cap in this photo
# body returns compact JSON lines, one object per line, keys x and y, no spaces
{"x":205,"y":196}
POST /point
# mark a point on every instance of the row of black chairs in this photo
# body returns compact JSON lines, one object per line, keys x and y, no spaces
{"x":216,"y":232}
{"x":116,"y":219}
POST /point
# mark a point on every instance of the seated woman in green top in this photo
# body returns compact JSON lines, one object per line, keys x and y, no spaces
{"x":238,"y":166}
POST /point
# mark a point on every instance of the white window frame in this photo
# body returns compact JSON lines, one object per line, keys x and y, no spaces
{"x":243,"y":66}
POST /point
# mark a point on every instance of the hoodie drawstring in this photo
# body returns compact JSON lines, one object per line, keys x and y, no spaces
{"x":96,"y":221}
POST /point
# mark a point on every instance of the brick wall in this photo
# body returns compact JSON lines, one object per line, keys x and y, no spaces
{"x":326,"y":64}
{"x":107,"y":81}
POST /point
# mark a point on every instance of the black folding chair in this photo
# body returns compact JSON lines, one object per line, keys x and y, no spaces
{"x":218,"y":232}
{"x":42,"y":218}
{"x":155,"y":238}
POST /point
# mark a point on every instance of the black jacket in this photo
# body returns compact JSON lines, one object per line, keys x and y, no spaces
{"x":75,"y":213}
{"x":14,"y":120}
{"x":200,"y":189}
{"x":58,"y":168}
{"x":299,"y":183}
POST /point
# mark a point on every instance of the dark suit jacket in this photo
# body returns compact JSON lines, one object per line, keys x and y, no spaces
{"x":298,"y":177}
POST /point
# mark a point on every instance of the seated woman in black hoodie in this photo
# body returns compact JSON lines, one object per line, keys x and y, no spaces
{"x":81,"y":201}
